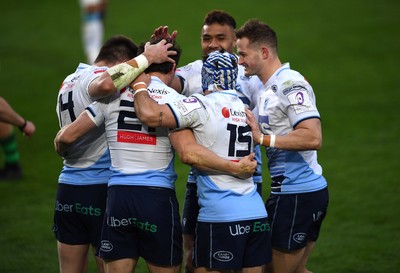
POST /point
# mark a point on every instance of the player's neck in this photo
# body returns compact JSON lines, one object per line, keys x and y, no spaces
{"x":269,"y":70}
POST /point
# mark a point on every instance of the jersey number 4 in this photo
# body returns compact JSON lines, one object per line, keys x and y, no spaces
{"x":69,"y":105}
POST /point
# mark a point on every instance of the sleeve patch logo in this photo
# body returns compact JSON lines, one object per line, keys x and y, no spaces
{"x":301,"y":102}
{"x":185,"y":106}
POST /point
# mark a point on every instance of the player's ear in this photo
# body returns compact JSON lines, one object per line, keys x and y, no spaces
{"x":265,"y":52}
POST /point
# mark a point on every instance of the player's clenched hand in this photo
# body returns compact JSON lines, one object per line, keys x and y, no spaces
{"x":158,"y":53}
{"x":246,"y":166}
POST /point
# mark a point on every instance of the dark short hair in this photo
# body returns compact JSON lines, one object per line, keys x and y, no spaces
{"x":258,"y":32}
{"x":118,"y":48}
{"x":221,"y":17}
{"x":164,"y":67}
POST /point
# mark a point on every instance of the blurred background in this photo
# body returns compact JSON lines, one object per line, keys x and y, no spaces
{"x":348,"y":50}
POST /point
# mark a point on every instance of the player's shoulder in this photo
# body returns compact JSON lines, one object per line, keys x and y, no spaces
{"x":159,"y":91}
{"x":287,"y":80}
{"x":191,"y":67}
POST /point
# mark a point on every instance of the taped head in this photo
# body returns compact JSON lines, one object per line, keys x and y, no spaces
{"x":219,"y":71}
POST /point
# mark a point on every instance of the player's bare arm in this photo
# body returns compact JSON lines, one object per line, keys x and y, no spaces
{"x":121,"y":75}
{"x":9,"y":115}
{"x":71,"y":132}
{"x":148,"y":110}
{"x":199,"y":157}
{"x":307,"y":135}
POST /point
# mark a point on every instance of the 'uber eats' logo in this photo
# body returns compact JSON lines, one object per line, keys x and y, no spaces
{"x":77,"y":208}
{"x":257,"y":226}
{"x":146,"y":226}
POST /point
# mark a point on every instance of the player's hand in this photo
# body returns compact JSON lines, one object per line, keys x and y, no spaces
{"x":162,"y":32}
{"x":159,"y":53}
{"x":252,"y":122}
{"x":246,"y":166}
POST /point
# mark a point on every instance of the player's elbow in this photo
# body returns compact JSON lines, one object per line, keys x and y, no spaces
{"x":315,"y":143}
{"x":148,"y":118}
{"x":188,"y":158}
{"x":102,"y":88}
{"x":64,"y":139}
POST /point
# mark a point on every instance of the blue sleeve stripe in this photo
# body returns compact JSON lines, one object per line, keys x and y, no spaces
{"x":310,"y":117}
{"x":176,"y":119}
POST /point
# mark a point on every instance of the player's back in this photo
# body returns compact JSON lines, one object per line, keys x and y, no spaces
{"x":227,"y":134}
{"x":86,"y":160}
{"x":140,"y":155}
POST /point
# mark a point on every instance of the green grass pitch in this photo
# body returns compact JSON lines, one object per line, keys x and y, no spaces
{"x":348,"y":50}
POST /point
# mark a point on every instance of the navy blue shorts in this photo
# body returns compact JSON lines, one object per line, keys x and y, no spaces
{"x":78,"y":213}
{"x":232,"y":245}
{"x":142,"y":222}
{"x":190,"y":209}
{"x":296,"y":218}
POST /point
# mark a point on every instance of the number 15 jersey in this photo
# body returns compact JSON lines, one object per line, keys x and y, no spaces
{"x":218,"y":121}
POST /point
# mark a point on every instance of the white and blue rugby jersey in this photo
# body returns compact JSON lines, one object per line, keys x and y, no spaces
{"x":288,"y":100}
{"x":218,"y":121}
{"x":87,"y":161}
{"x":140,"y":155}
{"x":248,"y":88}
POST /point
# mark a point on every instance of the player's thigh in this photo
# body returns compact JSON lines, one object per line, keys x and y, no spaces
{"x":121,"y":265}
{"x":286,"y":262}
{"x":72,"y":258}
{"x":163,"y":269}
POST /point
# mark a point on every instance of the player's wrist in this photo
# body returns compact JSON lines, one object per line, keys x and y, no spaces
{"x":149,"y":57}
{"x":272,"y":139}
{"x":138,"y":86}
{"x":22,"y":127}
{"x":261,"y":140}
{"x":142,"y":61}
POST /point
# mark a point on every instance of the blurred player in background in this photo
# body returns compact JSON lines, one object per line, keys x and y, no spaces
{"x":8,"y":142}
{"x":92,"y":26}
